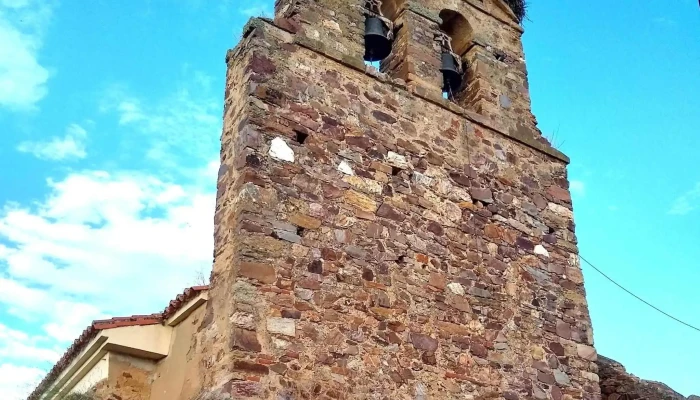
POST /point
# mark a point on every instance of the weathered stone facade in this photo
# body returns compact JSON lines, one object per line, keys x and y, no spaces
{"x":130,"y":379}
{"x":617,"y":384}
{"x":376,"y":241}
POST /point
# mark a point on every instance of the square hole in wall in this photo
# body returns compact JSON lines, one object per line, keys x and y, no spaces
{"x":301,"y":137}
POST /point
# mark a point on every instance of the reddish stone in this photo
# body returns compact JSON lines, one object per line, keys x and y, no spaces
{"x":246,"y":389}
{"x":374,"y":230}
{"x":424,"y":342}
{"x":559,"y":194}
{"x":563,"y":329}
{"x":435,"y":228}
{"x":309,"y":283}
{"x":262,"y":65}
{"x":493,"y":231}
{"x":422,"y":258}
{"x":551,"y":239}
{"x":498,"y":265}
{"x":316,"y":267}
{"x":329,"y":254}
{"x":557,"y":349}
{"x":546,"y":378}
{"x":278,"y":368}
{"x":395,"y":376}
{"x":481,"y":194}
{"x":539,"y":201}
{"x":387,"y":211}
{"x":293,"y":314}
{"x":392,"y":337}
{"x":356,"y":252}
{"x":368,"y":274}
{"x":247,"y":366}
{"x":264,"y":273}
{"x":460,"y":179}
{"x":437,"y":280}
{"x":479,"y":350}
{"x":245,"y":340}
{"x":556,"y":393}
{"x":540,"y":366}
{"x":524,"y":244}
{"x":429,"y":358}
{"x":384,"y":117}
{"x":330,"y":191}
{"x":358,"y":141}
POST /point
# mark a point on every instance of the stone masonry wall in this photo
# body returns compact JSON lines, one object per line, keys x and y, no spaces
{"x":376,"y":242}
{"x":617,"y":384}
{"x":497,"y":86}
{"x":129,"y":379}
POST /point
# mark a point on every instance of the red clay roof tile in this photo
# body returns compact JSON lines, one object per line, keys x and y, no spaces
{"x":91,"y":332}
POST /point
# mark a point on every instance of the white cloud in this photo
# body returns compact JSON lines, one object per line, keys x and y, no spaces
{"x":18,"y":346}
{"x":98,"y":245}
{"x":70,"y":146}
{"x":16,"y":380}
{"x":578,"y":188}
{"x":686,"y":203}
{"x":183,"y":127}
{"x":130,"y":111}
{"x":103,"y":243}
{"x":97,"y":233}
{"x":22,"y":78}
{"x":19,"y":298}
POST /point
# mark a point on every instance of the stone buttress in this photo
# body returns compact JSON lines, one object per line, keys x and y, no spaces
{"x":377,"y":241}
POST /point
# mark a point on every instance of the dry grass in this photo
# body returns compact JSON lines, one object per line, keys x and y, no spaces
{"x":519,"y":7}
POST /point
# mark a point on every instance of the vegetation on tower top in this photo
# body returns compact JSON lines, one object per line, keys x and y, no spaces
{"x":519,"y":7}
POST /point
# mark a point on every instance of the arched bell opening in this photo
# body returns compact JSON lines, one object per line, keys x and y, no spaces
{"x":392,"y":8}
{"x":379,"y":32}
{"x":455,"y":38}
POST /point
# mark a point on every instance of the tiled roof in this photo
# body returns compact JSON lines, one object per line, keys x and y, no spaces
{"x":181,"y":300}
{"x":91,"y":332}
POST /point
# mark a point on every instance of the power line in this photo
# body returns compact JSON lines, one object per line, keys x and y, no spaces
{"x":637,"y":297}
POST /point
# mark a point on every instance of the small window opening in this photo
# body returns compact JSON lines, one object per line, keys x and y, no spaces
{"x":300,"y":231}
{"x":395,"y":171}
{"x":301,"y":137}
{"x":402,"y":260}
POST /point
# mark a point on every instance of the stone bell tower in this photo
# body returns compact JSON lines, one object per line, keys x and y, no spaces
{"x":376,"y":240}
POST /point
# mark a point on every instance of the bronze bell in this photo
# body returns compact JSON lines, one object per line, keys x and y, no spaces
{"x":377,"y":42}
{"x":451,"y":73}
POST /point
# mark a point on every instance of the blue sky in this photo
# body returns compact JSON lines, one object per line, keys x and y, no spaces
{"x":110,"y":117}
